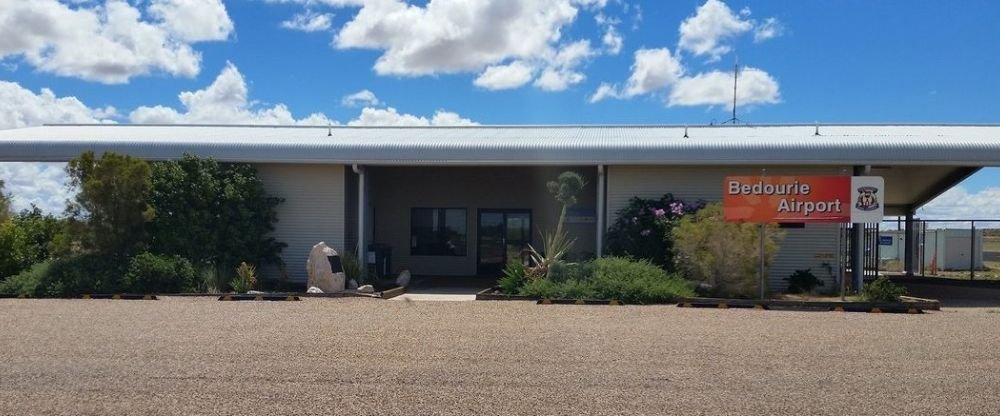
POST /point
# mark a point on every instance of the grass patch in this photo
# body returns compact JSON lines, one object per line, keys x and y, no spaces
{"x":630,"y":281}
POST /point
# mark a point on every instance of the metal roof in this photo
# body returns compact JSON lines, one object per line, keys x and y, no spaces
{"x":954,"y":145}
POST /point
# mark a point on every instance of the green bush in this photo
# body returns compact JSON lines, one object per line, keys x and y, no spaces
{"x":636,"y":281}
{"x":722,"y":256}
{"x":154,"y":273}
{"x":644,"y":228}
{"x":82,"y":274}
{"x":352,"y":267}
{"x":515,"y":276}
{"x":27,"y":282}
{"x":630,"y":281}
{"x":883,"y":290}
{"x":802,"y":281}
{"x":26,"y":239}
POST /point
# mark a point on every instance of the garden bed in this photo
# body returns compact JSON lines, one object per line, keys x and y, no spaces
{"x":388,"y":293}
{"x":494,"y":293}
{"x":907,"y":305}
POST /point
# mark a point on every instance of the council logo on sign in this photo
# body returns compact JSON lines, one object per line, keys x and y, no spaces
{"x":867,"y":198}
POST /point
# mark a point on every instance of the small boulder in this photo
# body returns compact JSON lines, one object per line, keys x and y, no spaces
{"x":314,"y":289}
{"x":352,"y":284}
{"x":366,"y":289}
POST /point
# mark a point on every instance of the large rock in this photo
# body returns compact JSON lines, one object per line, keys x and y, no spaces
{"x":320,"y":272}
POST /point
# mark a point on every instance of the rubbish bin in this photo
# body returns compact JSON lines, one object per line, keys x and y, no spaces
{"x":379,"y":261}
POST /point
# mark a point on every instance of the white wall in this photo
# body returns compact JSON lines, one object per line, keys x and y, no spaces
{"x":313,"y":210}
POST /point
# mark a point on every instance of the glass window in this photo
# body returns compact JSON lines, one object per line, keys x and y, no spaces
{"x":437,"y":232}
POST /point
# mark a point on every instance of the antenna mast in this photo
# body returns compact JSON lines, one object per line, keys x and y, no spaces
{"x":736,"y":76}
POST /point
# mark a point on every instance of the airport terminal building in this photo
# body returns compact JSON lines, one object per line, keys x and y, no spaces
{"x":461,"y":201}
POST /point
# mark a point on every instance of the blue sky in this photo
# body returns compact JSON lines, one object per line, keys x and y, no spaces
{"x":496,"y":62}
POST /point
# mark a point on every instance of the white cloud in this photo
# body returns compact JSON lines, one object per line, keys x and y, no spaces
{"x":41,"y":184}
{"x":612,"y":40}
{"x":20,"y":107}
{"x":504,"y":77}
{"x":224,"y":101}
{"x":713,"y":23}
{"x":652,"y":70}
{"x":450,"y":36}
{"x":390,"y":117}
{"x":562,"y":69}
{"x":959,"y":203}
{"x":309,"y":21}
{"x":770,"y":29}
{"x":361,"y":98}
{"x":193,"y":20}
{"x":110,"y":42}
{"x":604,"y":91}
{"x":754,"y":86}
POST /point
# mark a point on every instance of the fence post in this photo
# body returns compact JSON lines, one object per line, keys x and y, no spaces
{"x":972,"y":254}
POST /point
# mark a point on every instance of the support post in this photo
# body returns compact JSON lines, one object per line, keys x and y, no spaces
{"x":763,"y":275}
{"x":600,"y":211}
{"x":908,"y":232}
{"x":972,"y":254}
{"x":362,"y":213}
{"x":858,"y":244}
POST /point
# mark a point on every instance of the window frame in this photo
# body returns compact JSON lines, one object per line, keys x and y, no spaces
{"x":465,"y":235}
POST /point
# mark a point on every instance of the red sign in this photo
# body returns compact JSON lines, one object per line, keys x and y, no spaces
{"x":830,"y":199}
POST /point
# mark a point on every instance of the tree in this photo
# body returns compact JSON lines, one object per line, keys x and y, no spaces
{"x":110,"y":210}
{"x":5,"y":213}
{"x":27,"y":239}
{"x":213,"y":213}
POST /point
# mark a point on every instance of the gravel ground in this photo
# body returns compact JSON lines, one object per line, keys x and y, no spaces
{"x":362,"y":356}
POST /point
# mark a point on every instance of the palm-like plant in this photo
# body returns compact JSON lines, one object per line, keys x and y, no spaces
{"x":558,"y":243}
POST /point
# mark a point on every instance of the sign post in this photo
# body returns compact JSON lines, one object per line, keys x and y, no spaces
{"x":802,"y":199}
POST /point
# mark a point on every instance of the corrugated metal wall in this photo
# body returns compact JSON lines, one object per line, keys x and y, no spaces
{"x":313,"y":210}
{"x":801,"y":248}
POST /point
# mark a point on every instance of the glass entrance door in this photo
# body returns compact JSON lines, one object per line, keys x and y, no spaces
{"x":503,"y":234}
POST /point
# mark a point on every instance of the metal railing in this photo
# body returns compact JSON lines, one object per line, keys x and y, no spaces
{"x":947,"y":248}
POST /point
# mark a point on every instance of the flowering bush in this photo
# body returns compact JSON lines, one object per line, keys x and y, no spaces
{"x":643,"y":229}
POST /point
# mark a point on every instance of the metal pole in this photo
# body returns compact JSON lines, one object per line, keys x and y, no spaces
{"x":972,"y":254}
{"x":923,"y":247}
{"x":908,"y":243}
{"x":858,"y":247}
{"x":762,"y":277}
{"x":600,"y":211}
{"x":362,"y":229}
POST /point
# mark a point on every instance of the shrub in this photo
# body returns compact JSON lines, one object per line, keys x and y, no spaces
{"x":246,"y":278}
{"x":643,"y":229}
{"x":802,"y":281}
{"x":515,"y":276}
{"x":543,"y":288}
{"x":352,"y":267}
{"x":631,"y":281}
{"x":81,"y":274}
{"x":883,"y":290}
{"x":27,"y":282}
{"x":153,"y":273}
{"x":724,"y":256}
{"x":636,"y":281}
